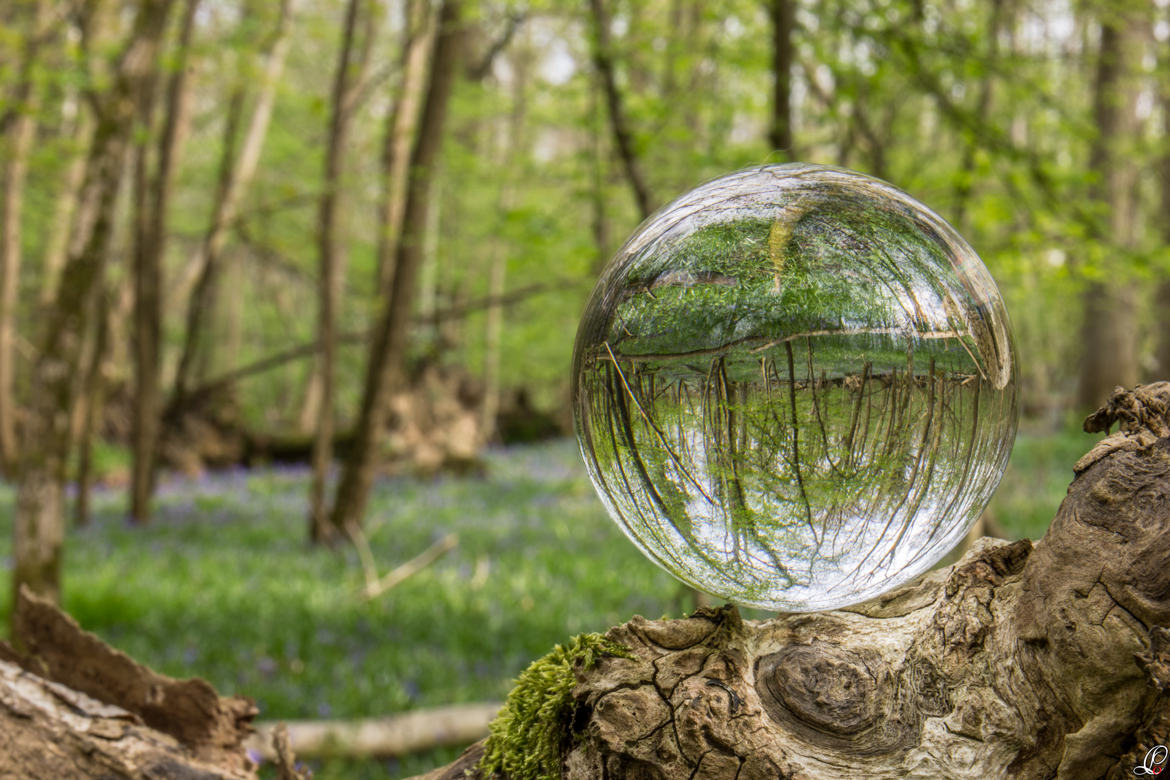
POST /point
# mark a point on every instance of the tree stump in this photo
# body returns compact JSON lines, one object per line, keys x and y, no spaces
{"x":1018,"y":661}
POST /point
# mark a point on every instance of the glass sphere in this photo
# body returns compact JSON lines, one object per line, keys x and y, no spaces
{"x":794,"y":387}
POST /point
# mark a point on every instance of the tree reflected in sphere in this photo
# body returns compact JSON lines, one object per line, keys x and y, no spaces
{"x":794,"y":387}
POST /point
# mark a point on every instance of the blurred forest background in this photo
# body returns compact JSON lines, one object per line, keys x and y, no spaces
{"x":236,"y":234}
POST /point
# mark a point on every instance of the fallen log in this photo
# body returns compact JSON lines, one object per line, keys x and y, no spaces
{"x":1018,"y":661}
{"x":73,"y":707}
{"x":398,"y":735}
{"x":48,"y":730}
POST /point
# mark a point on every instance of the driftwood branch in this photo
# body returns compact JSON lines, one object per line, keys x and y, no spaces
{"x":1019,"y":661}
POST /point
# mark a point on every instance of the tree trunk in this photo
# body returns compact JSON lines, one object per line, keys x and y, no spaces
{"x":38,"y":524}
{"x":93,"y":395}
{"x":401,"y":129}
{"x":513,"y":144}
{"x":1019,"y":661}
{"x":331,"y":274}
{"x":235,"y":174}
{"x":598,"y":157}
{"x":782,"y":14}
{"x":1162,"y":293}
{"x":17,"y":127}
{"x":386,"y":366}
{"x":1109,"y":330}
{"x":65,"y":202}
{"x":152,"y":195}
{"x":618,"y":122}
{"x":71,"y":213}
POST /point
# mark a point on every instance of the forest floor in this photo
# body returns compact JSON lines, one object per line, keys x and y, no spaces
{"x":223,"y":586}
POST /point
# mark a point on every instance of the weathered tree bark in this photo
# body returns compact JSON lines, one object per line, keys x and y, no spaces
{"x":782,"y":14}
{"x":1109,"y":331}
{"x":152,"y":192}
{"x":386,"y":365}
{"x":1019,"y":661}
{"x":602,"y":50}
{"x":330,"y":251}
{"x":72,"y":707}
{"x":38,"y":523}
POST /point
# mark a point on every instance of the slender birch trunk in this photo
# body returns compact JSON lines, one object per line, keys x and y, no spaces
{"x":386,"y":366}
{"x":1162,"y":293}
{"x":514,"y":144}
{"x":152,"y":195}
{"x":330,"y":250}
{"x":401,"y":129}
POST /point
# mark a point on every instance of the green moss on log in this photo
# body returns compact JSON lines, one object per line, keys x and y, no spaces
{"x":528,"y":736}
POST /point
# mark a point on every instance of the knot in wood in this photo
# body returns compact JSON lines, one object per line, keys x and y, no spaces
{"x":827,"y":687}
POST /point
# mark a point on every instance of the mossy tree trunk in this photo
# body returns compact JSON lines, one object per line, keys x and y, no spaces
{"x":1021,"y":660}
{"x":38,"y":522}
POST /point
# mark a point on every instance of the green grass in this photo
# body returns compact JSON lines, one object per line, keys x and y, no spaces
{"x":1037,"y":478}
{"x":223,"y":586}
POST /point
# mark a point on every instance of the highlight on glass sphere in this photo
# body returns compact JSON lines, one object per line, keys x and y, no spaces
{"x":794,"y":387}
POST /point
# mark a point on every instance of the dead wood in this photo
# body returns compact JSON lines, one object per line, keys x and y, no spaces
{"x":73,"y":707}
{"x":1019,"y":661}
{"x":398,"y":735}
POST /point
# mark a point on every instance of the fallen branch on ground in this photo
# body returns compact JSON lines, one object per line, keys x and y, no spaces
{"x":375,"y":586}
{"x":399,"y":735}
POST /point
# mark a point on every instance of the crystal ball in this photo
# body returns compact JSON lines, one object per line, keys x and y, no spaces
{"x":794,"y":387}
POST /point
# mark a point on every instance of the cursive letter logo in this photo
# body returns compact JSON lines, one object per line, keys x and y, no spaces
{"x":1154,"y":762}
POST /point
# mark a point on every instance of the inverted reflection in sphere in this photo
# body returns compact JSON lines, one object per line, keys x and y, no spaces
{"x":794,"y":387}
